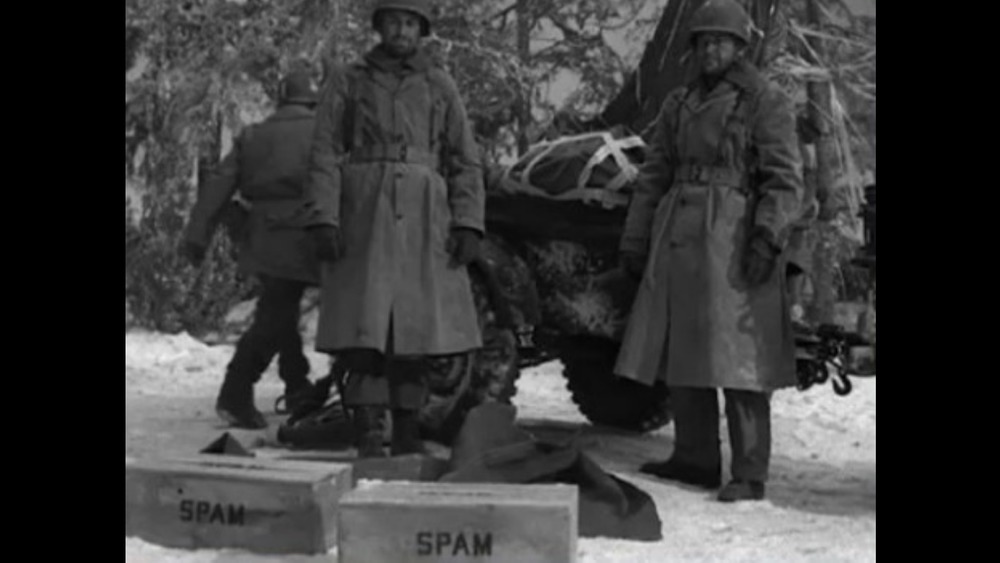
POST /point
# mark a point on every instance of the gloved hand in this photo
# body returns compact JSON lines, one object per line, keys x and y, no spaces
{"x":633,"y":263}
{"x":329,"y":243}
{"x":760,"y":257}
{"x":463,"y":245}
{"x":194,"y":252}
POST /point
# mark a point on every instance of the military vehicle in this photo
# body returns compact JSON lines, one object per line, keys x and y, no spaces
{"x":548,"y":285}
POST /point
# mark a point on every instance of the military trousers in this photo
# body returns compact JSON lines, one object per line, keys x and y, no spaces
{"x":696,"y":427}
{"x":376,"y":379}
{"x":274,"y":331}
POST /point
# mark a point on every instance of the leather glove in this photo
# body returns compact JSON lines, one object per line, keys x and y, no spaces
{"x":194,"y":252}
{"x":329,"y":243}
{"x":760,"y":258}
{"x":633,"y":264}
{"x":463,"y":245}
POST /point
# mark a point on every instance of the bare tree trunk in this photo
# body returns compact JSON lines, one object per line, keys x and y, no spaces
{"x":331,"y":50}
{"x":524,"y":55}
{"x":821,"y":113}
{"x":211,"y":154}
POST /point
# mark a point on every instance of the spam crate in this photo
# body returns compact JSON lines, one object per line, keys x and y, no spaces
{"x":211,"y":501}
{"x":453,"y":523}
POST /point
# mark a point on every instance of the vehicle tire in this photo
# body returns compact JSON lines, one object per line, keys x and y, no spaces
{"x":462,"y":382}
{"x":608,"y":400}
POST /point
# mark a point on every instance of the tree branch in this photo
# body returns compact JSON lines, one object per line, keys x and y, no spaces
{"x":503,"y":13}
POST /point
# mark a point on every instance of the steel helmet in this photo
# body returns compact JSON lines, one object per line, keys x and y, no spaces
{"x":722,"y":16}
{"x":298,"y":88}
{"x":421,"y":8}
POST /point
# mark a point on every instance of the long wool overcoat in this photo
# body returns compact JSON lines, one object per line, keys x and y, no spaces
{"x":722,"y":161}
{"x":396,"y":167}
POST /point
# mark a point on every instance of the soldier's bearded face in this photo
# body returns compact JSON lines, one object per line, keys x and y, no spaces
{"x":716,"y":52}
{"x":400,"y":32}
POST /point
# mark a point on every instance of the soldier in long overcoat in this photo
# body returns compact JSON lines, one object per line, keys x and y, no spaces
{"x":399,"y":204}
{"x":267,"y":167}
{"x":705,"y":233}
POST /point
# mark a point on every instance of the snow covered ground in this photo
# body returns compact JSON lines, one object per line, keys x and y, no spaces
{"x":820,"y":505}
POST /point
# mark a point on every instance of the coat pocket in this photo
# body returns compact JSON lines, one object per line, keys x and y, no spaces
{"x":688,"y":220}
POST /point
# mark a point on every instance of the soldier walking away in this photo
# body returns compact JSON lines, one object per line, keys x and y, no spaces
{"x":268,"y":167}
{"x":398,"y":203}
{"x":706,"y":232}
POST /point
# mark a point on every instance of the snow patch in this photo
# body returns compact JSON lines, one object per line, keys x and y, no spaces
{"x":821,"y":496}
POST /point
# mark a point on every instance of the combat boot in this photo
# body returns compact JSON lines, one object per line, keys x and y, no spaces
{"x":369,"y":431}
{"x":406,"y":433}
{"x":673,"y":470}
{"x":739,"y":490}
{"x":298,"y":394}
{"x":235,"y":405}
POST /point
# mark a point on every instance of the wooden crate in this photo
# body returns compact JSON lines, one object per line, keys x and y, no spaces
{"x":212,"y":501}
{"x":453,"y":523}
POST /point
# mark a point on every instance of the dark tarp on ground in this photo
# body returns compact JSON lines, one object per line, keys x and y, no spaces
{"x":491,"y":449}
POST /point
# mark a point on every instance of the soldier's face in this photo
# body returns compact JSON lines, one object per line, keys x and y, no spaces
{"x":400,"y":31}
{"x":716,"y":52}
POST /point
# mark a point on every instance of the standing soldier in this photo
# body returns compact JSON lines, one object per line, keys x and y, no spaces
{"x":398,"y":203}
{"x":268,"y":167}
{"x":705,"y":232}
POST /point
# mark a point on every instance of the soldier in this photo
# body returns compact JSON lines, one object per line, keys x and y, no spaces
{"x":399,"y":203}
{"x":705,"y":232}
{"x":268,"y":167}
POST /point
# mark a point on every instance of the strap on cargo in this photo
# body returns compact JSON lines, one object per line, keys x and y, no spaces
{"x":610,"y":195}
{"x":600,"y":196}
{"x":614,"y":148}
